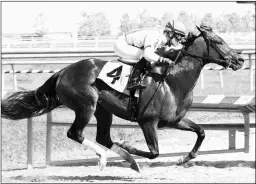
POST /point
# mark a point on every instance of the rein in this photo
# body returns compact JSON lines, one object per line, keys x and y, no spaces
{"x":203,"y":58}
{"x":186,"y":53}
{"x":208,"y":42}
{"x":167,"y":72}
{"x":200,"y":57}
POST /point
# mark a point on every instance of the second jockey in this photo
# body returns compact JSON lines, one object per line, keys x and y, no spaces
{"x":136,"y":44}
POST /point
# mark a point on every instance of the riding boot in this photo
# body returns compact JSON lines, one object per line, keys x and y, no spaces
{"x":135,"y":79}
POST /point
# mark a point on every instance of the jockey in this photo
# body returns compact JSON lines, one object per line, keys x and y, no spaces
{"x":136,"y":44}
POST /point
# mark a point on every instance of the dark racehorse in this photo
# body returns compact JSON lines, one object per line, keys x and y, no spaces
{"x":163,"y":103}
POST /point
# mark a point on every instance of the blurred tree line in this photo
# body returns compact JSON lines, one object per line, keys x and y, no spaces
{"x":97,"y":24}
{"x":39,"y":25}
{"x":224,"y":23}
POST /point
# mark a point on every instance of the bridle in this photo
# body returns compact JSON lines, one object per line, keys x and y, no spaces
{"x":183,"y":52}
{"x":208,"y":42}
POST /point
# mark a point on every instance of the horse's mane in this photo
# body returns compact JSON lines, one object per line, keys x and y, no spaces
{"x":211,"y":35}
{"x":206,"y":32}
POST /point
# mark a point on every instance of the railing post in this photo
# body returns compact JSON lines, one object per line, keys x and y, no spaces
{"x":31,"y":44}
{"x":96,"y":42}
{"x":3,"y":91}
{"x":246,"y":132}
{"x":221,"y":80}
{"x":202,"y":79}
{"x":29,"y":143}
{"x":48,"y":138}
{"x":53,"y":44}
{"x":232,"y":139}
{"x":14,"y":78}
{"x":251,"y":72}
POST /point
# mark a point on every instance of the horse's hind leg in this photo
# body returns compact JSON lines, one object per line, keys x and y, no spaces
{"x":188,"y":125}
{"x":84,"y":105}
{"x":82,"y":118}
{"x":104,"y":122}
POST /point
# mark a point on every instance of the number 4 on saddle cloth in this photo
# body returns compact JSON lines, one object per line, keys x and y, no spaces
{"x":117,"y":75}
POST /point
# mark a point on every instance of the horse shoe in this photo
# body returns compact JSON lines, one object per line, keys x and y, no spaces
{"x":126,"y":156}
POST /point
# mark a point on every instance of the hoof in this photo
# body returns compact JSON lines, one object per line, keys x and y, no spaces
{"x":126,"y":156}
{"x":182,"y":160}
{"x":134,"y":166}
{"x":102,"y":162}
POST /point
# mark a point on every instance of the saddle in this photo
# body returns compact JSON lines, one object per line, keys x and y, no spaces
{"x":139,"y":67}
{"x":158,"y":72}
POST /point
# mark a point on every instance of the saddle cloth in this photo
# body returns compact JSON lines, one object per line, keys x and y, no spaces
{"x":116,"y":75}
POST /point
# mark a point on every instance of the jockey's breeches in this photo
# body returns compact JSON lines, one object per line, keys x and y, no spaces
{"x":126,"y":51}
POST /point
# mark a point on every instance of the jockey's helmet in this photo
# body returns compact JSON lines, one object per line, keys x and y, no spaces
{"x":177,"y":27}
{"x":205,"y":26}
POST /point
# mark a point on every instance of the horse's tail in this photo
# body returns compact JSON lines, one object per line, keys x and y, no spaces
{"x":26,"y":104}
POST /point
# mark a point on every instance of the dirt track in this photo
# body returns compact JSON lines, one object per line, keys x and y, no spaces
{"x":202,"y":171}
{"x":220,"y":168}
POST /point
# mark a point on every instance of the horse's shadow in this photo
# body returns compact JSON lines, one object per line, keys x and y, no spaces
{"x":215,"y":164}
{"x":73,"y":178}
{"x":91,"y":178}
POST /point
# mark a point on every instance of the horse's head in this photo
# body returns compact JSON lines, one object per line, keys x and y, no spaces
{"x":213,"y":49}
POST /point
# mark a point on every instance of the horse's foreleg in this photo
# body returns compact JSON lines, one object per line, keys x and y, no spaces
{"x":104,"y":121}
{"x":150,"y":133}
{"x":188,"y":125}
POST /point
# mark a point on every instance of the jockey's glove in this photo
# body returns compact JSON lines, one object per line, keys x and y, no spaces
{"x":164,"y":60}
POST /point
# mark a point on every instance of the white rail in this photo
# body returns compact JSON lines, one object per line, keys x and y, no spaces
{"x":56,"y":57}
{"x":245,"y":108}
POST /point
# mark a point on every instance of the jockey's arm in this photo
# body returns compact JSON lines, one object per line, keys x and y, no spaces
{"x":150,"y":55}
{"x":151,"y":42}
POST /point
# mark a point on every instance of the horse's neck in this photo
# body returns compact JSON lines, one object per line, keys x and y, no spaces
{"x":184,"y":76}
